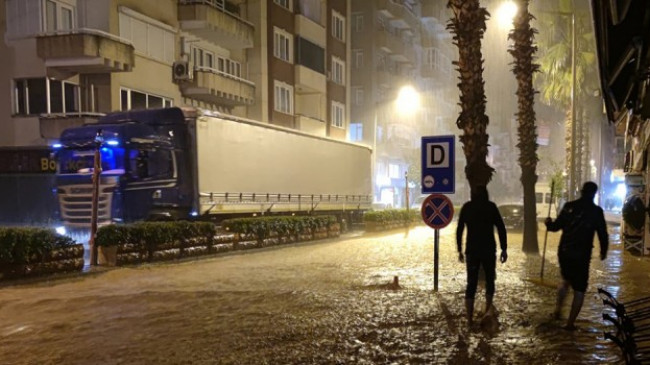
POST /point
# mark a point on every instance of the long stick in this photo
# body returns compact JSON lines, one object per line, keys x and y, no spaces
{"x":541,"y":275}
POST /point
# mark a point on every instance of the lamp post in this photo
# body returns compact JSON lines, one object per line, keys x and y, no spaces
{"x":97,"y":170}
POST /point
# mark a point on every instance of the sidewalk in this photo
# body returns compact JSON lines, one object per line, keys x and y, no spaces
{"x":613,"y":218}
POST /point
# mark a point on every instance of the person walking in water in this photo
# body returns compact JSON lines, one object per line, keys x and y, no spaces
{"x":480,"y":215}
{"x":578,"y":220}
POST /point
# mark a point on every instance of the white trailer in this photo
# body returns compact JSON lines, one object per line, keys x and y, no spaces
{"x":244,"y":166}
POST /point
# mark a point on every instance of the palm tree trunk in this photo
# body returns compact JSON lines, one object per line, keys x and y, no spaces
{"x":570,"y":168}
{"x":524,"y":68}
{"x":468,"y":26}
{"x":586,"y":150}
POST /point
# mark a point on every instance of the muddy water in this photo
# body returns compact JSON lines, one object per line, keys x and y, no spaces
{"x":319,"y":303}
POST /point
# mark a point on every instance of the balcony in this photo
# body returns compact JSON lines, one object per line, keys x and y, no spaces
{"x":308,"y":29}
{"x":51,"y":125}
{"x":216,"y":87}
{"x":217,"y":22}
{"x":399,"y":14}
{"x":85,"y":51}
{"x":309,"y":81}
{"x":398,"y":50}
{"x":310,"y":125}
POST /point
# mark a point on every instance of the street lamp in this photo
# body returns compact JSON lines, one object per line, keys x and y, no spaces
{"x":407,"y":103}
{"x":506,"y":13}
{"x":97,"y":171}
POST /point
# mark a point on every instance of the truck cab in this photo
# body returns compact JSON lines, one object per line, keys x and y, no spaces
{"x":144,"y":172}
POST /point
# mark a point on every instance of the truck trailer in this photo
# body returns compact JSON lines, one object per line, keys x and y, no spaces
{"x":187,"y":163}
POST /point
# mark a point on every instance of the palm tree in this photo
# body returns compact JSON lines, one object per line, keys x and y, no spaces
{"x":468,"y":27}
{"x":556,"y":76}
{"x":524,"y":68}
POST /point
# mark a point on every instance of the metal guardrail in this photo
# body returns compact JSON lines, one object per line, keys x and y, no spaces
{"x":284,"y":198}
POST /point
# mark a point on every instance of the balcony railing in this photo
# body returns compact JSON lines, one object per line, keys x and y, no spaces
{"x":217,"y":87}
{"x":401,"y":11}
{"x":399,"y":50}
{"x":85,"y":51}
{"x":217,"y":21}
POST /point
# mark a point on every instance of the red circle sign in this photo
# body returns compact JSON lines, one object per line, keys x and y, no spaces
{"x":437,"y":211}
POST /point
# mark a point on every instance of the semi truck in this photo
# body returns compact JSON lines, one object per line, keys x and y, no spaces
{"x":187,"y":163}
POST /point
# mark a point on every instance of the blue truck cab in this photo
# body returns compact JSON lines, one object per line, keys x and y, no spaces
{"x":146,"y":170}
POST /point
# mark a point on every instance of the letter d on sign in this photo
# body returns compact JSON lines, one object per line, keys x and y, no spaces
{"x":437,"y":155}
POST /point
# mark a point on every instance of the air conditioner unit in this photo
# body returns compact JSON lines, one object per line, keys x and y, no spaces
{"x":182,"y":71}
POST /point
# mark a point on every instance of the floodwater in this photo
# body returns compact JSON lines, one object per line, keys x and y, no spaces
{"x":327,"y":302}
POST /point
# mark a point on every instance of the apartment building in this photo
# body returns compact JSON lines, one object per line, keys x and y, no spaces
{"x":397,"y":43}
{"x":66,"y":62}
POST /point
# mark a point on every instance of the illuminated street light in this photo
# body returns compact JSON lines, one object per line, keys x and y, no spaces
{"x":407,"y":103}
{"x":506,"y":13}
{"x":408,"y":100}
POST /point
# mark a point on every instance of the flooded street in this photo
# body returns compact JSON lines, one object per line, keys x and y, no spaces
{"x":314,"y":303}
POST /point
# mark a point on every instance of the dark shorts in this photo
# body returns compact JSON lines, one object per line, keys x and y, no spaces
{"x":575,"y":271}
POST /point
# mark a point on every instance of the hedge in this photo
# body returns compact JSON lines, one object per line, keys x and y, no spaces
{"x":32,"y":251}
{"x":261,"y":228}
{"x":392,"y":216}
{"x":22,"y":245}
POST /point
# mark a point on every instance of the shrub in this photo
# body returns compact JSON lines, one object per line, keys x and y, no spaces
{"x":392,"y":216}
{"x":28,"y":245}
{"x":262,"y":227}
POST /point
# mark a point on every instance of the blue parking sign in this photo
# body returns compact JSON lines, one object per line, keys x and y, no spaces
{"x":438,"y":165}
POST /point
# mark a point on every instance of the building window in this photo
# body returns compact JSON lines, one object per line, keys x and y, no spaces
{"x":310,"y":55}
{"x":358,"y":95}
{"x":338,"y":70}
{"x":282,"y":45}
{"x":393,"y":171}
{"x":134,"y":100}
{"x":435,"y":60}
{"x":338,"y":26}
{"x":149,"y":36}
{"x":283,"y":97}
{"x":358,"y":23}
{"x":45,"y":96}
{"x":358,"y":58}
{"x":284,"y":3}
{"x":58,"y":16}
{"x":202,"y":58}
{"x":338,"y":111}
{"x":356,"y":132}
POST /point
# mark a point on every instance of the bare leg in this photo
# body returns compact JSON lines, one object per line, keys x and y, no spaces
{"x":469,"y":305}
{"x":488,"y":303}
{"x":578,"y":299}
{"x":561,"y":295}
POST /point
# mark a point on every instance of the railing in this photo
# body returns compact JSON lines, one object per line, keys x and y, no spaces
{"x":631,"y":322}
{"x":219,"y":5}
{"x":87,"y":31}
{"x":72,"y":115}
{"x":224,"y":74}
{"x":284,"y":198}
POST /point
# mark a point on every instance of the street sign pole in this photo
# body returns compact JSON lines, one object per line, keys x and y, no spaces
{"x":437,"y":212}
{"x":438,"y":178}
{"x":435,"y":259}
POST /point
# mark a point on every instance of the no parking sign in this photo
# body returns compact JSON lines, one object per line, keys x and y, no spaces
{"x":437,"y":211}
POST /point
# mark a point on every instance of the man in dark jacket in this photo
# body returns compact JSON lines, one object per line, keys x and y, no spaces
{"x":481,"y":216}
{"x":578,"y":220}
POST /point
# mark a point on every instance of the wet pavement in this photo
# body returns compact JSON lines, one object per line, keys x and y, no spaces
{"x":326,"y":302}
